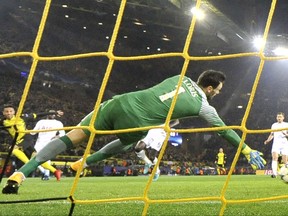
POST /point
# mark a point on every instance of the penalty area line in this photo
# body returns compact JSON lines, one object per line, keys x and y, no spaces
{"x":136,"y":202}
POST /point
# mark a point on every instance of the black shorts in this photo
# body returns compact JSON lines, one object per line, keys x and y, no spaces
{"x":27,"y":145}
{"x":220,"y":165}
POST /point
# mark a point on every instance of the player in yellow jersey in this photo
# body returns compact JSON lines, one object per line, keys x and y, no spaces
{"x":220,"y":162}
{"x":24,"y":142}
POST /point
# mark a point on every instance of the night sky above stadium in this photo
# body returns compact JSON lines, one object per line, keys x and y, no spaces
{"x":149,"y":27}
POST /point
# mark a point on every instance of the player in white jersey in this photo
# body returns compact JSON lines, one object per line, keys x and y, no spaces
{"x":280,"y":142}
{"x":45,"y":137}
{"x":154,"y":141}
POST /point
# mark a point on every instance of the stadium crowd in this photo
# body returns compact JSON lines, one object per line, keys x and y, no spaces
{"x":195,"y":156}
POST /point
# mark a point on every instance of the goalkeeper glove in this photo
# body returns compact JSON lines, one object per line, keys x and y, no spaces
{"x":254,"y":158}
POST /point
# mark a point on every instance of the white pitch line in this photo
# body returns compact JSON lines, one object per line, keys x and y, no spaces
{"x":141,"y":202}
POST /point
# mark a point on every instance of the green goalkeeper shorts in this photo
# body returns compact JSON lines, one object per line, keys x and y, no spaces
{"x":111,"y":116}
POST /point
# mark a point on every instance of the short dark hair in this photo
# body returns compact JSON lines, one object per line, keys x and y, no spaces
{"x":211,"y":78}
{"x":281,"y":113}
{"x":8,"y":106}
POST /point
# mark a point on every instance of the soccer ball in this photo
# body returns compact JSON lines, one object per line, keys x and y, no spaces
{"x":285,"y":179}
{"x":283,"y":171}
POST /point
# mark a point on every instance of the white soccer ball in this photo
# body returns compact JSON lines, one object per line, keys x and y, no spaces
{"x":283,"y":171}
{"x":285,"y":179}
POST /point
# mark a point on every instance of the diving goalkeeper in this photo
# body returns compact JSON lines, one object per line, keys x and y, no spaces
{"x":148,"y":107}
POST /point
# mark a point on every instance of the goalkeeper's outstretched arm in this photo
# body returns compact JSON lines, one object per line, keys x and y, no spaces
{"x":253,"y":156}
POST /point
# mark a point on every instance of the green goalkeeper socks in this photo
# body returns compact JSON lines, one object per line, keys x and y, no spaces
{"x":109,"y":150}
{"x":29,"y":167}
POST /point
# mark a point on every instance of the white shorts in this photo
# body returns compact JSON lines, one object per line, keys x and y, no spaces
{"x":280,"y":147}
{"x":155,"y":138}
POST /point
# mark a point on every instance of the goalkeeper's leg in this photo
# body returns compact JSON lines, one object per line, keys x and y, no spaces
{"x":109,"y":150}
{"x":51,"y":150}
{"x":15,"y":180}
{"x":47,"y":165}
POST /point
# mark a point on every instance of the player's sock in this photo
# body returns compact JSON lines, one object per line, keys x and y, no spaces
{"x":48,"y":166}
{"x":112,"y":148}
{"x":47,"y":172}
{"x":51,"y":150}
{"x":157,"y":174}
{"x":20,"y":155}
{"x":29,"y":167}
{"x":147,"y":160}
{"x":42,"y":170}
{"x":154,"y":163}
{"x":155,"y":160}
{"x":274,"y":166}
{"x":143,"y":156}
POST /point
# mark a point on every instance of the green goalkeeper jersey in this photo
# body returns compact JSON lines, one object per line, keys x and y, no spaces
{"x":151,"y":106}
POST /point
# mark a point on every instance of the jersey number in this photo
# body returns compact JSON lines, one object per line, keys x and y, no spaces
{"x":171,"y":94}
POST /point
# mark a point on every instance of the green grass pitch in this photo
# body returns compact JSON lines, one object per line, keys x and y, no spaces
{"x":240,"y":187}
